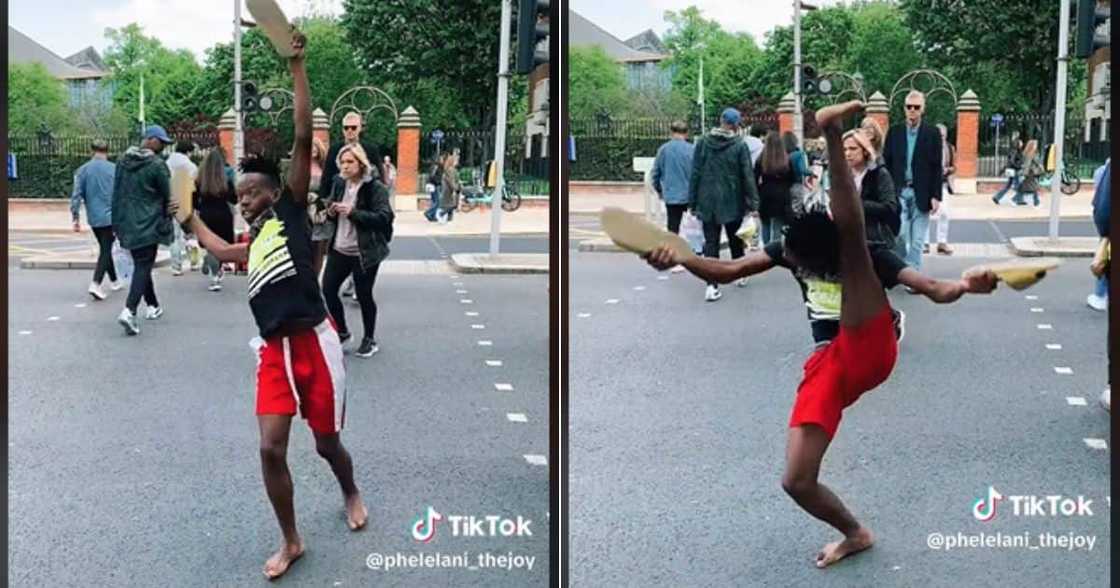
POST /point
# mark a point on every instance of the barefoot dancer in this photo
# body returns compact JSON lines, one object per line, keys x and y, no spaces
{"x":300,"y":363}
{"x":851,"y":320}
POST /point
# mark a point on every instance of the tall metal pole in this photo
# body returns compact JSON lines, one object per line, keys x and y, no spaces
{"x":239,"y":131}
{"x":798,"y":123}
{"x":1059,"y":120}
{"x":500,"y":130}
{"x":703,"y":99}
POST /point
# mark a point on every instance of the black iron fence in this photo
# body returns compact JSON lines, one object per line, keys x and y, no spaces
{"x":606,"y":148}
{"x":526,"y":163}
{"x":1085,"y":146}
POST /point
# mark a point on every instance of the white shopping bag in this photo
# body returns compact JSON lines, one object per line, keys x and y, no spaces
{"x":693,"y":231}
{"x":122,"y":262}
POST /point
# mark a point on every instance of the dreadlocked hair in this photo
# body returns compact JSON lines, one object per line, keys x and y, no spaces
{"x":814,"y":241}
{"x":266,"y":166}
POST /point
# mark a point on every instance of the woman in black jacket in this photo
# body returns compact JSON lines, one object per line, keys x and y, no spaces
{"x":360,"y":243}
{"x":214,"y":198}
{"x":876,"y":189}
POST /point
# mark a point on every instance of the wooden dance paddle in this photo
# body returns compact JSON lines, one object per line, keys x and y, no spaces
{"x":1022,"y":274}
{"x":634,"y":233}
{"x":275,"y":25}
{"x":182,"y":193}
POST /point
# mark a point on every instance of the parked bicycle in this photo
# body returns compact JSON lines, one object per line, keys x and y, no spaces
{"x":478,"y":195}
{"x":1071,"y":184}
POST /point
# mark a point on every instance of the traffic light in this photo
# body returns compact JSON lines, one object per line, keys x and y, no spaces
{"x":809,"y":83}
{"x":250,"y":102}
{"x":1089,"y":18}
{"x":532,"y":29}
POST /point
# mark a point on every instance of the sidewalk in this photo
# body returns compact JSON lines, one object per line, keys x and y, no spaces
{"x":961,"y":206}
{"x":53,"y":216}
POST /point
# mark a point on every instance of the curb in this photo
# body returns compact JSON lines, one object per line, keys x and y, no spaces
{"x":57,"y":262}
{"x":605,"y":245}
{"x":518,"y":264}
{"x":1065,"y":247}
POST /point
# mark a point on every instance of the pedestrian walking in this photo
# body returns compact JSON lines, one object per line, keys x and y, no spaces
{"x":912,"y":154}
{"x":449,"y":190}
{"x":322,"y":226}
{"x":941,"y":217}
{"x":721,"y":189}
{"x":299,"y":364}
{"x":93,"y":185}
{"x":180,"y":159}
{"x":142,"y":219}
{"x":776,"y":178}
{"x":670,"y":175}
{"x":1012,"y":172}
{"x":435,"y":184}
{"x":1102,"y":207}
{"x":875,"y":187}
{"x":352,"y":127}
{"x":754,"y":140}
{"x":214,"y":199}
{"x":390,"y":175}
{"x":1032,"y":173}
{"x":361,"y":207}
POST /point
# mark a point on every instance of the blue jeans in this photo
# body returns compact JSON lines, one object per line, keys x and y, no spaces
{"x":912,"y":235}
{"x":1102,"y":287}
{"x":772,"y":229}
{"x":1012,"y":184}
{"x":433,"y":206}
{"x":178,"y":247}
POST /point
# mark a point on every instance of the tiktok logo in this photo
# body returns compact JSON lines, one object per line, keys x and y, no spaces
{"x":424,"y":529}
{"x":985,"y":510}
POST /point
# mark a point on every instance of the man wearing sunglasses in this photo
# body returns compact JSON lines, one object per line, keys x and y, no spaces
{"x":351,"y":134}
{"x":912,"y":153}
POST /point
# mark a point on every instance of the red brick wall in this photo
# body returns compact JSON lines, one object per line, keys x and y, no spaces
{"x":225,"y":139}
{"x":408,"y":160}
{"x":785,"y":122}
{"x":968,"y":142}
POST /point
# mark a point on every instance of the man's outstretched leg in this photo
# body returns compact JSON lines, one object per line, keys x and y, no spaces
{"x":278,"y":484}
{"x":804,"y":450}
{"x":331,"y":449}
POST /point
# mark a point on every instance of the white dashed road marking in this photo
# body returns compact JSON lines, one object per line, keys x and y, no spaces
{"x":612,"y":301}
{"x":1063,"y":370}
{"x":82,"y":305}
{"x":461,"y":292}
{"x":584,"y":314}
{"x":663,"y":277}
{"x":538,"y":460}
{"x":516,"y":417}
{"x":639,"y":288}
{"x":52,"y":318}
{"x":466,"y":301}
{"x":25,"y":332}
{"x":494,"y":362}
{"x":485,"y":343}
{"x":1037,"y":309}
{"x":1054,"y":346}
{"x":1096,"y":443}
{"x":1045,"y":327}
{"x":503,"y":387}
{"x":1032,"y":297}
{"x":471,"y":313}
{"x":1075,"y":401}
{"x":478,"y":327}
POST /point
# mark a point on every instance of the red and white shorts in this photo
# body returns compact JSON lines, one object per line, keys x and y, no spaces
{"x":836,"y":375}
{"x":304,"y":371}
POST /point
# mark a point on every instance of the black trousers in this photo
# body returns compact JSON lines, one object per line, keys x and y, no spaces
{"x":675,"y":212}
{"x":711,"y":240}
{"x":143,"y":260}
{"x":104,"y":254}
{"x":339,"y":267}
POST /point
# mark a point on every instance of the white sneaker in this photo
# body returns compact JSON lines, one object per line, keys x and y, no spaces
{"x":1097,"y":302}
{"x":117,"y":285}
{"x":176,"y":271}
{"x":128,"y":321}
{"x":215,"y":285}
{"x":1106,"y":399}
{"x":154,"y":312}
{"x":742,"y":283}
{"x":712,"y":294}
{"x":95,"y":292}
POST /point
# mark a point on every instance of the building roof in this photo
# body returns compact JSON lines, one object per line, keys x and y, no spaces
{"x":88,"y":58}
{"x":23,"y":49}
{"x":646,"y":41}
{"x":584,"y":33}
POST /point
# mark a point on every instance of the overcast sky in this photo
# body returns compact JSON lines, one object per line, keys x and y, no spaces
{"x":626,"y":18}
{"x":68,"y":26}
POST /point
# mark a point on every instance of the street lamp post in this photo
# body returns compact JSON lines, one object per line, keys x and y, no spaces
{"x":1059,"y":120}
{"x":239,"y":131}
{"x":500,"y":131}
{"x":797,"y":120}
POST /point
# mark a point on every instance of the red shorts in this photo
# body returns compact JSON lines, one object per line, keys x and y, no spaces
{"x":856,"y":361}
{"x":304,"y":371}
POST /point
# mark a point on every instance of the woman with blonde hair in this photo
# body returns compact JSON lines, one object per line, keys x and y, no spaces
{"x":874,"y":134}
{"x":322,"y":226}
{"x":449,"y":192}
{"x":214,"y":198}
{"x":875,"y":187}
{"x":360,"y":205}
{"x":1032,"y":169}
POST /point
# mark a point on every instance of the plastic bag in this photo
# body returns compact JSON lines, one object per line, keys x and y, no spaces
{"x":693,"y":231}
{"x":749,"y":230}
{"x":122,"y":261}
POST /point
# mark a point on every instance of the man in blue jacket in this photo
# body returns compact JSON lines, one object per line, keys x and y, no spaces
{"x":93,"y":183}
{"x":672,"y":169}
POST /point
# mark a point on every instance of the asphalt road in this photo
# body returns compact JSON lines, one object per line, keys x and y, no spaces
{"x":133,"y":460}
{"x":678,"y":423}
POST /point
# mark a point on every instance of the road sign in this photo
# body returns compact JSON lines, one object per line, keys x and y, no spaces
{"x":997,"y":120}
{"x":13,"y":171}
{"x":437,"y":136}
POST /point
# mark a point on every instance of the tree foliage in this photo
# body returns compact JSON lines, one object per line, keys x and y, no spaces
{"x":35,"y":97}
{"x":169,"y":76}
{"x":729,"y":59}
{"x":597,"y":84}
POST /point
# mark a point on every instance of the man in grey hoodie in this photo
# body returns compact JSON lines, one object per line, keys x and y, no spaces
{"x":722,"y":190}
{"x":142,"y":219}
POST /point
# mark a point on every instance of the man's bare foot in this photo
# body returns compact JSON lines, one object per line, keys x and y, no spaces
{"x":281,"y":560}
{"x":834,"y":552}
{"x":356,"y":513}
{"x":832,"y":115}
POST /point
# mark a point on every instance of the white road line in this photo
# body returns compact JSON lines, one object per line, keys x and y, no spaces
{"x":1037,"y":309}
{"x":494,"y":362}
{"x":471,"y":313}
{"x":483,"y":343}
{"x":25,"y":332}
{"x":516,"y":417}
{"x":538,"y":460}
{"x":1076,"y":401}
{"x":1063,"y":370}
{"x":1092,"y":443}
{"x":1032,"y":297}
{"x":454,"y":276}
{"x":663,"y":277}
{"x":52,"y":318}
{"x":1054,"y":346}
{"x":458,"y":284}
{"x":639,"y":288}
{"x":461,"y":292}
{"x":612,"y":301}
{"x":503,"y":387}
{"x":466,"y":301}
{"x":584,"y":314}
{"x":1045,"y":327}
{"x":478,"y":327}
{"x":80,"y":305}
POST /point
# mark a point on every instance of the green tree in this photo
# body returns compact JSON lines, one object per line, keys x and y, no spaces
{"x":35,"y":97}
{"x":729,"y":59}
{"x":169,"y":76}
{"x":597,"y":84}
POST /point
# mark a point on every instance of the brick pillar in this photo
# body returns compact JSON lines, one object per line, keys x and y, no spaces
{"x":786,"y":109}
{"x":879,"y":111}
{"x":968,"y":142}
{"x":226,"y":126}
{"x":408,"y":154}
{"x":321,"y":127}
